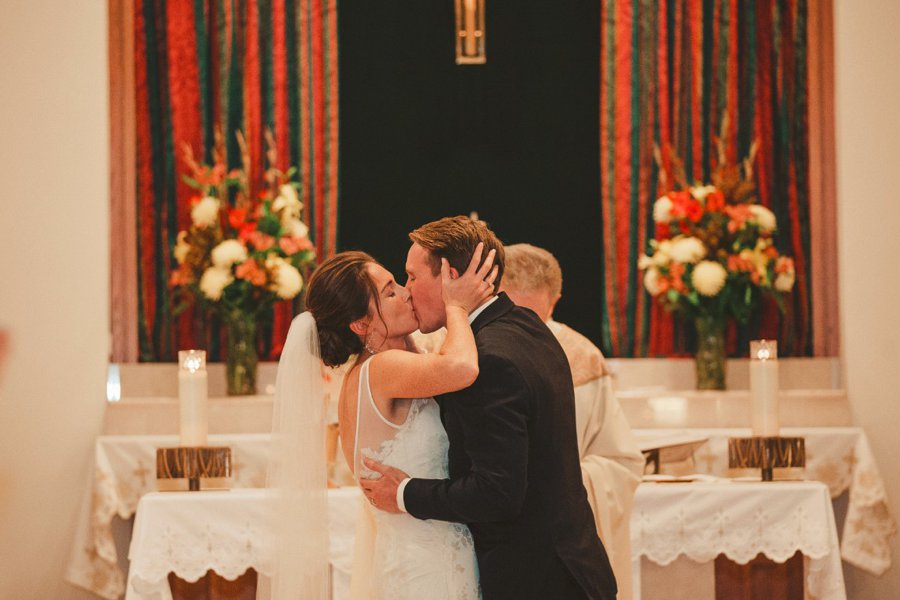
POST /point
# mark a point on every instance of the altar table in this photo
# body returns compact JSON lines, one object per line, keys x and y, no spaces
{"x":704,"y":519}
{"x":190,"y":533}
{"x":841,"y":458}
{"x":124,"y":472}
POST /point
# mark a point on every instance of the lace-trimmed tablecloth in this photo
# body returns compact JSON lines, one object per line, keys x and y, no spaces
{"x":701,"y":520}
{"x":842,"y":459}
{"x":189,"y":533}
{"x":125,"y":470}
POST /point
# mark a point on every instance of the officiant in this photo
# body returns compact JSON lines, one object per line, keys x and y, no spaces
{"x":611,"y":464}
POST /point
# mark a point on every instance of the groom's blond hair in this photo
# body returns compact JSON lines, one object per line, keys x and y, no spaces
{"x":455,"y":239}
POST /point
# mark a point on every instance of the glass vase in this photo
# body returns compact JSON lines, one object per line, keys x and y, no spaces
{"x":710,"y":358}
{"x":241,"y":358}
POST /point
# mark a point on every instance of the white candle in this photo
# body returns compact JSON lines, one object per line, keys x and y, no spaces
{"x":764,"y":387}
{"x":193,"y":401}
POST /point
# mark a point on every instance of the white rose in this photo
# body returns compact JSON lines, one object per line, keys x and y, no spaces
{"x":289,"y":192}
{"x":663,"y":254}
{"x":764,"y":217}
{"x":701,"y":192}
{"x":297,"y":228}
{"x":687,"y":250}
{"x":645,"y":262}
{"x":662,"y":210}
{"x":228,"y":253}
{"x":181,"y":247}
{"x":214,"y":281}
{"x":651,"y":281}
{"x":784,"y":282}
{"x":708,"y":277}
{"x":286,"y":280}
{"x":205,"y":212}
{"x":279,"y":203}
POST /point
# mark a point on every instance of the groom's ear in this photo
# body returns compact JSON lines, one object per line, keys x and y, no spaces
{"x":360,"y":326}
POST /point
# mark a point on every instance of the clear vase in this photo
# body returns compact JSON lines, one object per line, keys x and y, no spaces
{"x":241,"y":358}
{"x":710,"y":358}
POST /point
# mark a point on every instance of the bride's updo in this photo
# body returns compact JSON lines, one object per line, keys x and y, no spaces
{"x":340,"y":290}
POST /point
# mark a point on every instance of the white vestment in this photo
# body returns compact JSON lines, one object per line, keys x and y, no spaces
{"x":611,"y":463}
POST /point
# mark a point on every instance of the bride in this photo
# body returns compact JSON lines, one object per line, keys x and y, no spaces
{"x":386,"y":412}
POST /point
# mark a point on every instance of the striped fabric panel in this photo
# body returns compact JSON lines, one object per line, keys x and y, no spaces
{"x":670,"y":71}
{"x":235,"y":65}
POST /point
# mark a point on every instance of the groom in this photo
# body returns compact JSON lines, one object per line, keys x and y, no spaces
{"x":515,"y":478}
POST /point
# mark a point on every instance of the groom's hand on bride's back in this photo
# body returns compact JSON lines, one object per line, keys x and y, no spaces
{"x":382,"y":492}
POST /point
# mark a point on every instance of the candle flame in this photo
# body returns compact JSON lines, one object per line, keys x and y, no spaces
{"x":192,"y":360}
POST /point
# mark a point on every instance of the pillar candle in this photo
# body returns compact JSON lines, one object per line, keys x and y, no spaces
{"x":193,"y":401}
{"x":764,"y":386}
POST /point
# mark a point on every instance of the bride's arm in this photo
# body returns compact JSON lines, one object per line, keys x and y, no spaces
{"x":402,"y":374}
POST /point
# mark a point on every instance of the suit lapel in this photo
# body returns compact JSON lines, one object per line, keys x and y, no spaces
{"x":498,"y":308}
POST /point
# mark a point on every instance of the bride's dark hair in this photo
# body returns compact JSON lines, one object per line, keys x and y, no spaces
{"x":340,"y":290}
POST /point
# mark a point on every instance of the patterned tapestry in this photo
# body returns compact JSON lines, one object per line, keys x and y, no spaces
{"x":228,"y":65}
{"x":670,"y":71}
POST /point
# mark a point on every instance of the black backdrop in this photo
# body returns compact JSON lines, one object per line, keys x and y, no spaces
{"x":515,"y":139}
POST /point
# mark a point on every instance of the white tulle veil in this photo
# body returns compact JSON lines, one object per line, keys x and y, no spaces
{"x":297,"y":472}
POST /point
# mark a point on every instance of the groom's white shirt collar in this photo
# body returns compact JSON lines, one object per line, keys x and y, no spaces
{"x":472,"y":316}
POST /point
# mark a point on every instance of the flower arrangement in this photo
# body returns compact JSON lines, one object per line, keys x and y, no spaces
{"x":242,"y":253}
{"x":713,"y":258}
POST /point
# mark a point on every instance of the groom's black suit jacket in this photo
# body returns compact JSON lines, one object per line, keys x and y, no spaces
{"x":515,"y":477}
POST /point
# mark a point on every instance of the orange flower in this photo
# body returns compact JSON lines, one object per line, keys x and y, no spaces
{"x":738,"y":215}
{"x":715,"y":201}
{"x":237,"y":217}
{"x":784,"y":265}
{"x":292,"y":245}
{"x":250,"y":271}
{"x":676,"y":271}
{"x":694,"y":211}
{"x":663,"y":231}
{"x":261,"y":241}
{"x":180,"y":276}
{"x":246,"y":231}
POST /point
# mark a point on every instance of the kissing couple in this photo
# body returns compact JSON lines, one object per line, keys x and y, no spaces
{"x":467,"y":457}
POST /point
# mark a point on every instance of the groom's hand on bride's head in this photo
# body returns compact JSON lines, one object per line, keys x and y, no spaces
{"x":382,"y":492}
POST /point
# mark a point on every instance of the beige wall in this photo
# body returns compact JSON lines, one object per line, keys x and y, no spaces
{"x":54,"y":273}
{"x":54,"y":244}
{"x":867,"y":64}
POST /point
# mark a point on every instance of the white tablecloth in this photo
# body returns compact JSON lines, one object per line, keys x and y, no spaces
{"x":841,"y":458}
{"x":125,"y":470}
{"x":701,"y":520}
{"x":190,"y":533}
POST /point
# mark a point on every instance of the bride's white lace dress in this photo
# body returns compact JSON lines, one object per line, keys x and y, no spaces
{"x":413,"y":559}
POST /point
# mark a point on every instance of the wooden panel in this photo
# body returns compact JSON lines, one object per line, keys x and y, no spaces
{"x":214,"y":587}
{"x":123,"y":232}
{"x":760,"y":578}
{"x":822,"y":185}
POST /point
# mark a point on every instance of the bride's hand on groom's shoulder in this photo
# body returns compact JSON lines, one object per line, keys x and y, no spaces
{"x":469,"y":289}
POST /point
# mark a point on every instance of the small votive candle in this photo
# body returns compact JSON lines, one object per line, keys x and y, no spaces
{"x":764,"y":387}
{"x":193,"y":400}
